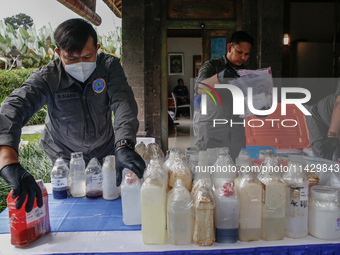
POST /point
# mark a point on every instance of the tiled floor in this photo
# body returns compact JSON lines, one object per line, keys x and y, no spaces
{"x":182,"y":138}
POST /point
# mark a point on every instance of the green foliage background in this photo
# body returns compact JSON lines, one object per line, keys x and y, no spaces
{"x":38,"y":48}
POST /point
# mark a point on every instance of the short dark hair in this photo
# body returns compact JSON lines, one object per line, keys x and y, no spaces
{"x":73,"y":34}
{"x":241,"y":36}
{"x":179,"y":80}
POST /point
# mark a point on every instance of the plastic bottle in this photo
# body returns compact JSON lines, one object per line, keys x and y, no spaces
{"x":77,"y":174}
{"x":156,"y":166}
{"x":180,"y":215}
{"x":249,"y":191}
{"x":202,"y":170}
{"x":243,"y":161}
{"x":212,"y":155}
{"x":94,"y":179}
{"x":131,"y":198}
{"x":193,"y":162}
{"x":226,"y":214}
{"x":224,"y":169}
{"x":110,"y":190}
{"x":190,"y":151}
{"x":60,"y":179}
{"x":153,"y":199}
{"x":141,"y":149}
{"x":179,"y":169}
{"x":324,"y":213}
{"x":28,"y":227}
{"x":273,"y":202}
{"x":296,"y":201}
{"x":204,"y":204}
{"x":152,"y":151}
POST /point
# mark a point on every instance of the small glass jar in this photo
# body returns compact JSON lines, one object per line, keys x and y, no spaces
{"x":324,"y":213}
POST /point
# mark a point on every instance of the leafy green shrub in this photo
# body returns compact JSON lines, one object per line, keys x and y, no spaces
{"x":34,"y":160}
{"x":12,"y":79}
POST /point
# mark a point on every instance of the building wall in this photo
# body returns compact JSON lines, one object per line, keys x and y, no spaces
{"x":141,"y":57}
{"x":190,"y":47}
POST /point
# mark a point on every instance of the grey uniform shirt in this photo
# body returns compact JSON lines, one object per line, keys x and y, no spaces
{"x":220,"y":135}
{"x":320,"y":121}
{"x":79,"y":115}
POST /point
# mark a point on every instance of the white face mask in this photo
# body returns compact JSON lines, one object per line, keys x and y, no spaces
{"x":81,"y":70}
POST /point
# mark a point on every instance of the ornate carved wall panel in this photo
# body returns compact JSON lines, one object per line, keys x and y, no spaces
{"x":201,"y":9}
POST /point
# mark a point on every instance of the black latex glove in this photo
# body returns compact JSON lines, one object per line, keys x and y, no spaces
{"x":23,"y":185}
{"x":329,"y":145}
{"x":225,"y":75}
{"x":127,"y":158}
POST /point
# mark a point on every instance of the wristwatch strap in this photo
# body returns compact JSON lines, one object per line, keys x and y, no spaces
{"x":125,"y":143}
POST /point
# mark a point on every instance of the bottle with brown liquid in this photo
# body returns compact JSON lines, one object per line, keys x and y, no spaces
{"x":94,"y":179}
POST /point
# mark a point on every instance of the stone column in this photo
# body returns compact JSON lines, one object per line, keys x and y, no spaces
{"x":133,"y":25}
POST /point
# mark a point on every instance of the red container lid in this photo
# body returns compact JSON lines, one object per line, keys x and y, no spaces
{"x":280,"y":133}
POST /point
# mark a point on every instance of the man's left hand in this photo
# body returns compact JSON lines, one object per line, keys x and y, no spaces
{"x":128,"y":158}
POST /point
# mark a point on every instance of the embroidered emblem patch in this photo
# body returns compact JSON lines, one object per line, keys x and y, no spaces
{"x":98,"y":85}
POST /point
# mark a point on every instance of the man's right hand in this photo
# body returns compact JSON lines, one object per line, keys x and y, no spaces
{"x":23,"y":185}
{"x":329,"y":145}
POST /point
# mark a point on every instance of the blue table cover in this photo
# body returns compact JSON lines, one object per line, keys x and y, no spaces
{"x":80,"y":214}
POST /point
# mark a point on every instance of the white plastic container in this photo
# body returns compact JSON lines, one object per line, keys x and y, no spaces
{"x":249,"y":191}
{"x":153,"y":199}
{"x":131,"y":198}
{"x":226,"y":214}
{"x":77,"y":175}
{"x":180,"y":215}
{"x":94,"y":179}
{"x":296,"y":201}
{"x":324,"y":213}
{"x":110,"y":190}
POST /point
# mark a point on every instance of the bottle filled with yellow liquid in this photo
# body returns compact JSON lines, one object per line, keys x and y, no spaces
{"x":153,"y":199}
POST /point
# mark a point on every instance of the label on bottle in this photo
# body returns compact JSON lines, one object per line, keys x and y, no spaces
{"x":94,"y":179}
{"x":303,"y":194}
{"x":299,"y":193}
{"x":59,"y":183}
{"x":36,"y":214}
{"x":337,"y":224}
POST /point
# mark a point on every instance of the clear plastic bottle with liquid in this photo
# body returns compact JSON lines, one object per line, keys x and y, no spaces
{"x":249,"y":191}
{"x":60,"y":179}
{"x":296,"y":201}
{"x":77,"y":175}
{"x":180,"y":215}
{"x":110,"y":190}
{"x":224,"y":168}
{"x":131,"y":198}
{"x":273,"y":202}
{"x":153,"y":200}
{"x":178,"y":169}
{"x":204,"y":204}
{"x":202,"y":170}
{"x":226,"y":214}
{"x":94,"y":179}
